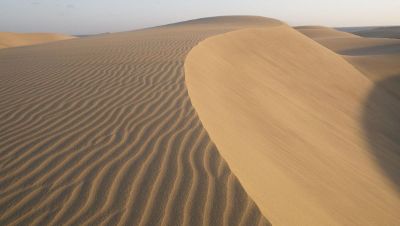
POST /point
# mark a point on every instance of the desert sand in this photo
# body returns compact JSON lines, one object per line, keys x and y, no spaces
{"x":232,"y":120}
{"x":101,"y":131}
{"x":9,"y":39}
{"x":312,"y":139}
{"x":376,"y":58}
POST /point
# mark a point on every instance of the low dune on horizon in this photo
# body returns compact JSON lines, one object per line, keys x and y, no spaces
{"x":374,"y":32}
{"x":11,"y":39}
{"x":231,"y":120}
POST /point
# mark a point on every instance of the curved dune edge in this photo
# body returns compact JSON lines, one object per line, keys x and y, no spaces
{"x":286,"y":114}
{"x":9,"y":39}
{"x":101,"y":131}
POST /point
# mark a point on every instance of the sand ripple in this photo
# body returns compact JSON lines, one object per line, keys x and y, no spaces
{"x":101,"y":131}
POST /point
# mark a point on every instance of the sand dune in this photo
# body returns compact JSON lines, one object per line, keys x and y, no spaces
{"x":101,"y":131}
{"x":352,"y":45}
{"x":311,"y":138}
{"x":9,"y":39}
{"x":374,"y":32}
{"x":377,"y":58}
{"x":319,"y":32}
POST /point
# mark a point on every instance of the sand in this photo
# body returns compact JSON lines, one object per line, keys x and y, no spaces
{"x":377,"y":58}
{"x":312,"y":139}
{"x":374,"y":32}
{"x":219,"y":121}
{"x":9,"y":39}
{"x":101,"y":131}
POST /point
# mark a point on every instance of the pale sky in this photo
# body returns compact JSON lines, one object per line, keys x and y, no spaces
{"x":97,"y":16}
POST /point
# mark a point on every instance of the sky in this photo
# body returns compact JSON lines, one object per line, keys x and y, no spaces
{"x":79,"y":17}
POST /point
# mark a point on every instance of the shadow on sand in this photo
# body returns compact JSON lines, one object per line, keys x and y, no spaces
{"x":381,"y":119}
{"x":373,"y":50}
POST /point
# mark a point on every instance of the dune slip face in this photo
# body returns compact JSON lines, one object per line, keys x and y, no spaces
{"x":379,"y":60}
{"x":101,"y":131}
{"x":312,"y":139}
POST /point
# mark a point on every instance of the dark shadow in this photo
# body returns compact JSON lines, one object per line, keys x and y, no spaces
{"x":381,"y":119}
{"x":373,"y":50}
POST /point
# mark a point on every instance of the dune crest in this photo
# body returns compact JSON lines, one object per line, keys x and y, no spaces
{"x":287,"y":115}
{"x":9,"y":39}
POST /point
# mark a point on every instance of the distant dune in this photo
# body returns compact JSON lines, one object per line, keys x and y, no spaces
{"x":310,"y":137}
{"x":377,"y":58}
{"x":323,"y":32}
{"x":8,"y":39}
{"x":374,"y":32}
{"x":348,"y":44}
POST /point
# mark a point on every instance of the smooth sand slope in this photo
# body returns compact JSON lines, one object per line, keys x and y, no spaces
{"x":101,"y":131}
{"x":313,"y":140}
{"x":379,"y":60}
{"x":9,"y":39}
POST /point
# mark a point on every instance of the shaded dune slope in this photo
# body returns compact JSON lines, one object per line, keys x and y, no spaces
{"x":9,"y":39}
{"x":288,"y":116}
{"x":101,"y":131}
{"x":379,"y":60}
{"x":374,"y":32}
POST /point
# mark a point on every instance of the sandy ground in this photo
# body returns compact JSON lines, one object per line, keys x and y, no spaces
{"x":101,"y":131}
{"x":313,"y":139}
{"x":9,"y":39}
{"x":217,"y":121}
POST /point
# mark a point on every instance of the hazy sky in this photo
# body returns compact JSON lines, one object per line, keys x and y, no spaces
{"x":96,"y":16}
